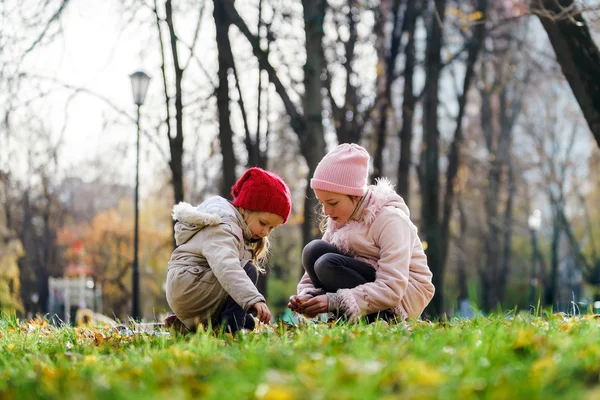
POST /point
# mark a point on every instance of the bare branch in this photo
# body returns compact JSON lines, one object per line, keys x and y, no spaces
{"x":54,"y":17}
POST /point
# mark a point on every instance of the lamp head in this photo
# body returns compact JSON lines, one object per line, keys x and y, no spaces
{"x":139,"y":85}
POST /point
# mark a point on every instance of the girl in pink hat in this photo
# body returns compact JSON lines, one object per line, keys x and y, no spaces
{"x":212,"y":274}
{"x":370,"y":262}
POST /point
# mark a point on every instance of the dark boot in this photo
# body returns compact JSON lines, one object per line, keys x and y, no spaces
{"x":385,"y":315}
{"x":172,"y":322}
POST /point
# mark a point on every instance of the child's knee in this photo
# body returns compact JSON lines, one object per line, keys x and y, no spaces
{"x":327,"y":267}
{"x":314,"y":250}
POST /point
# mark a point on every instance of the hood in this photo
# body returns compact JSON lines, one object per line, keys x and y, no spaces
{"x":378,"y":196}
{"x":382,"y":194}
{"x":192,"y":219}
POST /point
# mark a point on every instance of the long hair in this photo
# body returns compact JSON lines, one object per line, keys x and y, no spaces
{"x":260,"y":247}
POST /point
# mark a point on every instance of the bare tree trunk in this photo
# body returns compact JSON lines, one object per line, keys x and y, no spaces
{"x":493,"y":274}
{"x":30,"y":263}
{"x":349,"y":122}
{"x":225,"y":130}
{"x":48,"y":246}
{"x":313,"y":148}
{"x":429,"y":166}
{"x":409,"y":102}
{"x":308,"y":127}
{"x":346,"y":129}
{"x":550,"y":291}
{"x":386,"y":101}
{"x":508,"y":214}
{"x":454,"y":153}
{"x":577,"y":54}
{"x":463,"y":290}
{"x":176,"y":143}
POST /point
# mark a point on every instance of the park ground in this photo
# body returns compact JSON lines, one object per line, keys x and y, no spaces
{"x":509,"y":356}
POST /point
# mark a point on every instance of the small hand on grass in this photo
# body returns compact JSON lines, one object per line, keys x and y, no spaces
{"x":262,"y":312}
{"x":309,"y":306}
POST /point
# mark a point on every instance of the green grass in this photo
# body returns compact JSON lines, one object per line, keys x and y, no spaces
{"x":524,"y":356}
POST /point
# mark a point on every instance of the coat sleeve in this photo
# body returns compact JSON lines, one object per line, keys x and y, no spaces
{"x":221,"y":249}
{"x":394,"y":234}
{"x":306,"y":287}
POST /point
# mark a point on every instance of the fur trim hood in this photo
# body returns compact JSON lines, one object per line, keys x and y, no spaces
{"x":213,"y":211}
{"x":382,"y":194}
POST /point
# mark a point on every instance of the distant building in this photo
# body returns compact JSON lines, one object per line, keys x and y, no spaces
{"x":86,"y":199}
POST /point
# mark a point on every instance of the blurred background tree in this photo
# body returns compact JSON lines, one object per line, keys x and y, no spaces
{"x":475,"y":113}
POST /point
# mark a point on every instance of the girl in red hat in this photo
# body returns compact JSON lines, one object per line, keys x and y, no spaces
{"x":212,"y":274}
{"x":370,"y":262}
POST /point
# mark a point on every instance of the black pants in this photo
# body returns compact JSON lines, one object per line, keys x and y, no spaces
{"x":331,"y":270}
{"x":233,"y":317}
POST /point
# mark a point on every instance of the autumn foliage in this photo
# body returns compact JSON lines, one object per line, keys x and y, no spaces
{"x":103,"y":248}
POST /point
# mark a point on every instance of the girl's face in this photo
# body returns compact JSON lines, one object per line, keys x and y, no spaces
{"x":337,"y":206}
{"x":261,"y":223}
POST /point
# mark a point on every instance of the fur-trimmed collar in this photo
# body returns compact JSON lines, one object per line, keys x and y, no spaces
{"x":380,"y":195}
{"x":190,"y":215}
{"x":213,"y":211}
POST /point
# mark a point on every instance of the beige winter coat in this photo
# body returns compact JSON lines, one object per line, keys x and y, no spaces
{"x":384,"y":237}
{"x":207,"y":265}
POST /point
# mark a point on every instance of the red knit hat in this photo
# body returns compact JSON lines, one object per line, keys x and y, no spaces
{"x":260,"y":190}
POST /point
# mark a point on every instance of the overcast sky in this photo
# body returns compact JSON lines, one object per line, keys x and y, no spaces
{"x":95,"y":53}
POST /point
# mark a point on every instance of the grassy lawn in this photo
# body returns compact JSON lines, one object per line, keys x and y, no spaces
{"x":517,"y":357}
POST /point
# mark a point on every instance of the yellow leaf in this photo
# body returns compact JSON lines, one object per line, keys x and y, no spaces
{"x":420,"y":373}
{"x":90,"y":359}
{"x":326,"y":339}
{"x":543,"y":369}
{"x":475,"y":16}
{"x":48,"y":372}
{"x":273,"y":392}
{"x":524,"y":338}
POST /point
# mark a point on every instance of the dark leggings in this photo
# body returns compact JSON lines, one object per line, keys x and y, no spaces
{"x":331,"y":270}
{"x":233,"y":317}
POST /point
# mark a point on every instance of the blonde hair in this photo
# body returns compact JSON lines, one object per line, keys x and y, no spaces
{"x":260,"y":247}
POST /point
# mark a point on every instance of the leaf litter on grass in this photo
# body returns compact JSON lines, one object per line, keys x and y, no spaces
{"x":497,"y":357}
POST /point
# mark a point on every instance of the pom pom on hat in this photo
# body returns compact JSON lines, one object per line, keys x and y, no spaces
{"x":260,"y":190}
{"x":343,"y":170}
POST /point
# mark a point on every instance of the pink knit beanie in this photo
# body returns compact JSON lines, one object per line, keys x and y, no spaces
{"x":343,"y":170}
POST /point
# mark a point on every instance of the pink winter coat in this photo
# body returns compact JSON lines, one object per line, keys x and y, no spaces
{"x":383,"y":236}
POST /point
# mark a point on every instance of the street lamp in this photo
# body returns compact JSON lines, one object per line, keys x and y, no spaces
{"x":534,"y":221}
{"x":139,"y":86}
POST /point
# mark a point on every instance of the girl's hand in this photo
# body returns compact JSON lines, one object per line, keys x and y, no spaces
{"x":297,"y":302}
{"x":317,"y":305}
{"x":262,"y":312}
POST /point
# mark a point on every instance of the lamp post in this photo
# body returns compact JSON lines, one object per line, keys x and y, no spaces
{"x":534,"y":221}
{"x":139,"y":86}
